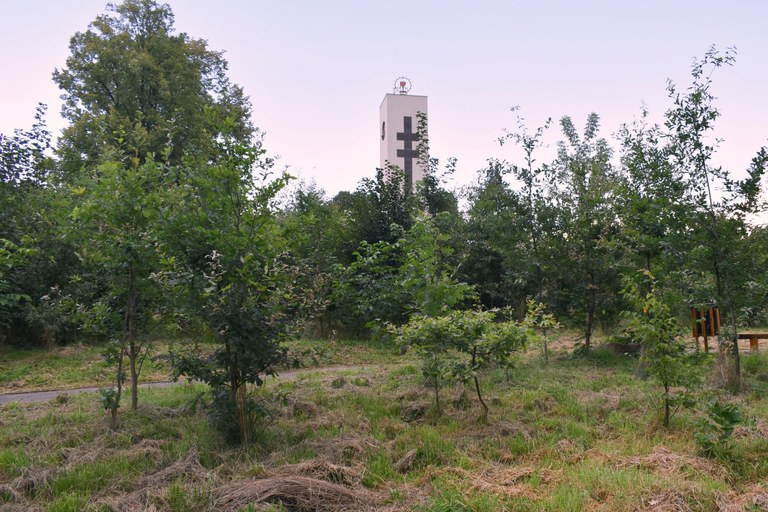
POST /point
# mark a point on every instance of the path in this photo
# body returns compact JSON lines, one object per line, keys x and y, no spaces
{"x":43,"y":396}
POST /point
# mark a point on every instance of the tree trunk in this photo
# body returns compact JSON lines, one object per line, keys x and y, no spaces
{"x":484,"y":416}
{"x":724,"y":291}
{"x":736,"y":378}
{"x":130,"y":329}
{"x":119,"y":382}
{"x":237,"y":391}
{"x":132,"y":356}
{"x":437,"y":385}
{"x":589,"y":326}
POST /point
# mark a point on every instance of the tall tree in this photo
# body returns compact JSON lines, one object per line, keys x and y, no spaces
{"x":497,"y":240}
{"x":655,"y":211}
{"x":132,"y":84}
{"x":721,"y":201}
{"x":536,"y":212}
{"x":586,"y":182}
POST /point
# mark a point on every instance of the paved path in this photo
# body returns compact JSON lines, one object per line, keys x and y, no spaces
{"x":43,"y":396}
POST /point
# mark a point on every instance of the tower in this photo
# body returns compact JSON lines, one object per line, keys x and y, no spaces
{"x":399,"y":134}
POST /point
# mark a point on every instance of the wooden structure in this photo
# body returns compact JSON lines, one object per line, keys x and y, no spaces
{"x":705,"y":323}
{"x":753,"y":338}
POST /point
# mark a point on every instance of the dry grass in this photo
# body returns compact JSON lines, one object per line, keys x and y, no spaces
{"x":151,"y":488}
{"x":669,"y":500}
{"x":665,"y":462}
{"x":754,"y":498}
{"x":322,"y":470}
{"x":297,"y":493}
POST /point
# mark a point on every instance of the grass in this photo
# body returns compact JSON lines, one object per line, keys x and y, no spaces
{"x":69,"y":367}
{"x":581,"y":433}
{"x":76,"y":366}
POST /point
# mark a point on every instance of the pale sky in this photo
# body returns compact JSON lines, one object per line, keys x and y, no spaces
{"x":316,"y":71}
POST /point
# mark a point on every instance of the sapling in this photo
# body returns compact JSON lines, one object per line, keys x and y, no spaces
{"x":537,"y":318}
{"x":664,"y":349}
{"x":474,"y":339}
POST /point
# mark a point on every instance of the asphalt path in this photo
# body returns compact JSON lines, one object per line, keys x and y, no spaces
{"x":43,"y":396}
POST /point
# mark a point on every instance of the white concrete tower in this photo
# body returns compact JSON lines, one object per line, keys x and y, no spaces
{"x":398,"y":131}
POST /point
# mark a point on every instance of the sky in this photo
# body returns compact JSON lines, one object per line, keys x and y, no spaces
{"x":317,"y":71}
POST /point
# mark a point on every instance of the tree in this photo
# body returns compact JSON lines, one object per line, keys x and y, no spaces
{"x":376,"y":205}
{"x":655,"y":211}
{"x":319,"y":236}
{"x":369,"y":290}
{"x":224,"y":254}
{"x":586,"y":185}
{"x":534,"y":194}
{"x":471,"y":340}
{"x":11,"y":297}
{"x":318,"y":230}
{"x":132,"y":84}
{"x":664,"y":351}
{"x":31,"y":217}
{"x":116,"y":221}
{"x":434,"y":198}
{"x":427,"y":273}
{"x":719,"y":201}
{"x":496,"y":241}
{"x":23,"y":170}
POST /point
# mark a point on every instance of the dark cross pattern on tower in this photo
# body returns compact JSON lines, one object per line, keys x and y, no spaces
{"x":408,"y":153}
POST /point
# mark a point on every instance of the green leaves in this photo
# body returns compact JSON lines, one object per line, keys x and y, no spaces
{"x":664,"y":350}
{"x":12,"y":258}
{"x":716,"y":426}
{"x":460,"y":344}
{"x":135,"y":88}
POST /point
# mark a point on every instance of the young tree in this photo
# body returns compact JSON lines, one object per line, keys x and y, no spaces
{"x":719,"y":201}
{"x":427,"y":273}
{"x":664,"y":351}
{"x":537,"y":214}
{"x":472,"y":340}
{"x":586,"y":186}
{"x":228,"y":262}
{"x":496,"y":240}
{"x":116,"y":223}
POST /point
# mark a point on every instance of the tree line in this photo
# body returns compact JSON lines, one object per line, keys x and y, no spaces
{"x":156,"y":213}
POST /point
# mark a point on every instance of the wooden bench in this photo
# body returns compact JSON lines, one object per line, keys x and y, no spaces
{"x":753,"y":338}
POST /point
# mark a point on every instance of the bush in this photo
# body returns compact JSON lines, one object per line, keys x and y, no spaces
{"x":716,"y":427}
{"x":259,"y":409}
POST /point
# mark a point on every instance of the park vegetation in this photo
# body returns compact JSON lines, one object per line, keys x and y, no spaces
{"x":158,"y":229}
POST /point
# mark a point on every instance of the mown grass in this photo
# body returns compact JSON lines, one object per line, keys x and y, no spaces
{"x":578,"y":434}
{"x":75,"y":366}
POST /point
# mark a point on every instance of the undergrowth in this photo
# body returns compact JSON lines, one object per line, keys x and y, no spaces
{"x":579,"y":433}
